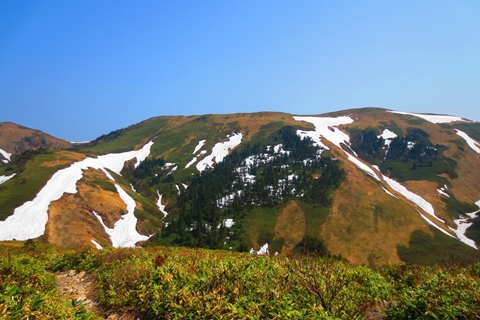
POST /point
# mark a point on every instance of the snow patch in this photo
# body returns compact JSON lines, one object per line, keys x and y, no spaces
{"x":6,"y":178}
{"x":434,"y":118}
{"x":109,"y":176}
{"x":97,"y":245}
{"x":471,"y":143}
{"x":160,"y":205}
{"x":199,"y":146}
{"x":462,"y":226}
{"x":191,"y":162}
{"x":388,"y":192}
{"x":124,"y":233}
{"x":262,"y":251}
{"x":227,"y":223}
{"x":443,"y":193}
{"x":416,"y":199}
{"x":387,"y":135}
{"x":363,"y":166}
{"x":28,"y":221}
{"x":434,"y":225}
{"x":219,"y":152}
{"x":5,"y":154}
{"x":326,"y":127}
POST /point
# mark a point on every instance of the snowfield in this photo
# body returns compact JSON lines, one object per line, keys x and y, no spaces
{"x":6,"y":178}
{"x":471,"y":143}
{"x":219,"y":151}
{"x":28,"y":221}
{"x":434,"y":118}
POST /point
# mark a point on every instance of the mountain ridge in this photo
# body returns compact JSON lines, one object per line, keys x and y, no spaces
{"x":361,"y":222}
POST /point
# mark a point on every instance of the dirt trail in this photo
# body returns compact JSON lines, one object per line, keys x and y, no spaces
{"x":80,"y":286}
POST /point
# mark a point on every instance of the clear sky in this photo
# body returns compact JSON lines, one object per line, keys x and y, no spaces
{"x":79,"y":69}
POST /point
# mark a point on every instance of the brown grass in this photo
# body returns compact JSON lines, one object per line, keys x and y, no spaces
{"x":290,"y":226}
{"x":366,"y":223}
{"x":71,"y":221}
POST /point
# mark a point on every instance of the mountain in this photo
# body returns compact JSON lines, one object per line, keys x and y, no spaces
{"x":15,"y":139}
{"x":370,"y":185}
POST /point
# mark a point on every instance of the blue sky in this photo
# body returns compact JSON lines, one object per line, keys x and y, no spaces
{"x":79,"y":69}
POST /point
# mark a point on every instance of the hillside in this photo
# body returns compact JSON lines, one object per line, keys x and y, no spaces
{"x":15,"y":139}
{"x":370,"y":185}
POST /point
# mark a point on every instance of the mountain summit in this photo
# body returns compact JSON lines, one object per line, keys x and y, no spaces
{"x":370,"y":185}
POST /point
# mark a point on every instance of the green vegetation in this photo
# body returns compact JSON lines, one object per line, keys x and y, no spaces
{"x":175,"y":283}
{"x":424,"y":249}
{"x":409,"y":157}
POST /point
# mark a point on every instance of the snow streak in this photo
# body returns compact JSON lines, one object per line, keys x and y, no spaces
{"x":6,"y":178}
{"x":434,"y":118}
{"x":471,"y":143}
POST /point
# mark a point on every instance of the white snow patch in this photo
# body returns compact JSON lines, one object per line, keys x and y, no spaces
{"x":185,"y":186}
{"x":363,"y":166}
{"x":97,"y":245}
{"x":199,"y":146}
{"x":6,"y":178}
{"x":28,"y":221}
{"x":191,"y":162}
{"x":203,"y":151}
{"x":416,"y":199}
{"x":434,"y":225}
{"x":178,"y":188}
{"x":279,"y":149}
{"x":227,"y":223}
{"x":109,"y":176}
{"x":434,"y":118}
{"x":388,"y":192}
{"x":462,"y":226}
{"x":325,"y":127}
{"x":471,"y":143}
{"x":5,"y":160}
{"x":5,"y":154}
{"x":124,"y":233}
{"x":160,"y":205}
{"x":219,"y":151}
{"x":262,"y":251}
{"x":387,"y":135}
{"x":169,"y":164}
{"x":443,"y":193}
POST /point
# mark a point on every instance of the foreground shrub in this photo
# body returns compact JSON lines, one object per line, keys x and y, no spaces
{"x":27,"y":291}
